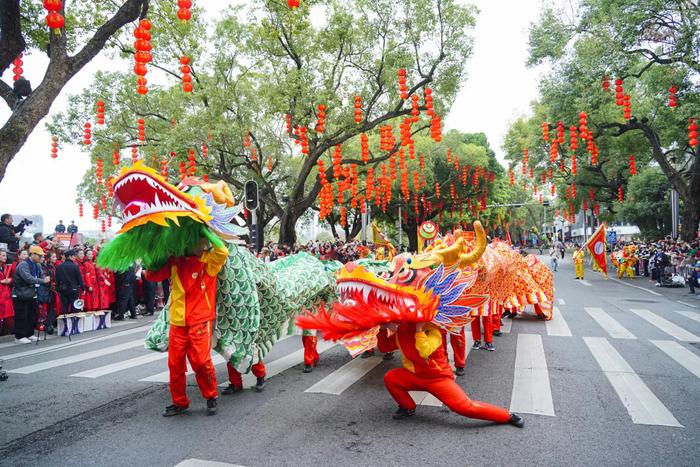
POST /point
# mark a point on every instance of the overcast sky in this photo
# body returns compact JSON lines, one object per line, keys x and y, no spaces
{"x":497,"y":88}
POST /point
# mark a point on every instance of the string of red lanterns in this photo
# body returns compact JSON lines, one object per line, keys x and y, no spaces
{"x":87,"y":134}
{"x":186,"y":71}
{"x":54,"y":147}
{"x":54,"y":19}
{"x":143,"y":55}
{"x":321,"y":123}
{"x":672,"y":100}
{"x":358,"y":109}
{"x":100,"y":112}
{"x":403,"y":88}
{"x":17,"y":68}
{"x":183,"y":13}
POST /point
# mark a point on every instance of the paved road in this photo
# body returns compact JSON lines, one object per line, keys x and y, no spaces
{"x":614,"y":379}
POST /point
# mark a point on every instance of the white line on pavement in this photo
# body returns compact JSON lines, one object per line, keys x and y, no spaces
{"x":642,"y":405}
{"x":687,"y":304}
{"x":531,"y":389}
{"x":25,"y":370}
{"x":164,"y":376}
{"x":561,"y":301}
{"x":584,"y":282}
{"x":203,"y":463}
{"x":345,"y":376}
{"x":690,"y":314}
{"x":557,"y":325}
{"x":120,"y":366}
{"x":636,"y":287}
{"x":681,"y":355}
{"x":609,"y":323}
{"x":666,"y":326}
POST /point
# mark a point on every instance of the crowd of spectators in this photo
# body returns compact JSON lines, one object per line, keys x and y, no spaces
{"x":327,"y":251}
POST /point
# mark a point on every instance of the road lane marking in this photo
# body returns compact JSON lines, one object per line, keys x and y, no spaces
{"x":690,"y":314}
{"x":609,"y":324}
{"x":531,"y":390}
{"x":345,"y":376}
{"x":69,"y":345}
{"x":164,"y":376}
{"x":584,"y":282}
{"x":636,"y":287}
{"x":687,"y":304}
{"x":681,"y":355}
{"x":25,"y":370}
{"x":561,"y":301}
{"x":642,"y":405}
{"x":203,"y":463}
{"x":120,"y":366}
{"x":666,"y":326}
{"x":557,"y":325}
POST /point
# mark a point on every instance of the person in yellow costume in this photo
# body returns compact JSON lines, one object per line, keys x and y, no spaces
{"x":578,"y":262}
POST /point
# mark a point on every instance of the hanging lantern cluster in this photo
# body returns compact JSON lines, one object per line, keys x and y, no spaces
{"x":205,"y":151}
{"x":134,"y":154}
{"x":100,"y":112}
{"x":110,"y":187}
{"x":627,"y":107}
{"x":87,"y":134}
{"x":54,"y":147}
{"x":554,"y":151}
{"x":164,"y":167}
{"x":545,"y":131}
{"x":358,"y":109}
{"x":103,"y":226}
{"x":429,"y":110}
{"x":80,"y":209}
{"x":109,"y":221}
{"x":246,"y":139}
{"x":254,"y":155}
{"x":574,"y":168}
{"x":95,"y":211}
{"x":526,"y":158}
{"x":403,"y":87}
{"x":337,"y":161}
{"x":103,"y":202}
{"x":620,"y":194}
{"x":186,"y":71}
{"x":619,"y":92}
{"x":141,"y":125}
{"x":184,"y":14}
{"x":192,"y":163}
{"x":415,"y":112}
{"x":142,"y":45}
{"x":54,"y":20}
{"x":560,"y":133}
{"x":321,"y":123}
{"x":303,"y":135}
{"x":436,"y":128}
{"x":183,"y":170}
{"x":293,"y":4}
{"x":672,"y":100}
{"x":269,"y":163}
{"x":582,"y":125}
{"x":692,"y":134}
{"x":554,"y":189}
{"x":99,"y":171}
{"x":633,"y":166}
{"x":387,"y":141}
{"x":606,"y":83}
{"x":17,"y":68}
{"x":364,"y":143}
{"x":573,"y":138}
{"x":405,"y":132}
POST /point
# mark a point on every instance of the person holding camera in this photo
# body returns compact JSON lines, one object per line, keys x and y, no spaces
{"x":26,"y":281}
{"x":69,"y":281}
{"x":10,"y":234}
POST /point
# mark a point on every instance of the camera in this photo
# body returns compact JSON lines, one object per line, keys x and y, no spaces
{"x":26,"y":221}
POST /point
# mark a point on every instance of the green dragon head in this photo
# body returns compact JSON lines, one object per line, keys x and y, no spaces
{"x":161,"y":220}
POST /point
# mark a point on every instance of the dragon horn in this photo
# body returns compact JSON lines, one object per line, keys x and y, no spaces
{"x":473,"y":256}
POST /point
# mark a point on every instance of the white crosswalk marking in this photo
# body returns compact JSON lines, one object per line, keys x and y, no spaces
{"x":690,"y":314}
{"x":531,"y":390}
{"x":681,"y":355}
{"x":642,"y":405}
{"x":666,"y":326}
{"x":120,"y":366}
{"x":164,"y":376}
{"x":425,"y":398}
{"x":609,"y":323}
{"x":557,"y":325}
{"x":77,"y":358}
{"x":281,"y":364}
{"x":584,"y":282}
{"x":345,"y":376}
{"x":204,"y":463}
{"x":561,"y":301}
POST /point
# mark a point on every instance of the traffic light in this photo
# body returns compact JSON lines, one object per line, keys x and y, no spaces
{"x":251,"y":195}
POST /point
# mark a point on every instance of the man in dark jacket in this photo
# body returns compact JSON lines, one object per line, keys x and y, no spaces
{"x":26,"y":280}
{"x":10,"y":235}
{"x":125,"y":282}
{"x":69,"y":281}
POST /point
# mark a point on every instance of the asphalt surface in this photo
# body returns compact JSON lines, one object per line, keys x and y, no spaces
{"x":49,"y":417}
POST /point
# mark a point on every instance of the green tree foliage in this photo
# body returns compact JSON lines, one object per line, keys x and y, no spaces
{"x":649,"y":205}
{"x":262,"y":61}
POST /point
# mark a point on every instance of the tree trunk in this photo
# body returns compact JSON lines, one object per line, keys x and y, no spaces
{"x":691,"y":213}
{"x":288,"y":234}
{"x":412,"y":234}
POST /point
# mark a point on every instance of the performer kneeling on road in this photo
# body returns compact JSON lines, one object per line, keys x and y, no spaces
{"x":426,"y":368}
{"x":192,"y":312}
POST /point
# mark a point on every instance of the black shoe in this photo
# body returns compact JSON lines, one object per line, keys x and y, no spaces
{"x":402,"y":413}
{"x":476,"y":345}
{"x":489,"y":346}
{"x":367,"y":354}
{"x":388,"y":356}
{"x":308,"y":368}
{"x":459,"y":371}
{"x":260,"y":385}
{"x":133,"y":317}
{"x":516,"y":420}
{"x":211,"y":406}
{"x":173,"y":410}
{"x":231,"y":389}
{"x":497,"y":333}
{"x":118,"y":318}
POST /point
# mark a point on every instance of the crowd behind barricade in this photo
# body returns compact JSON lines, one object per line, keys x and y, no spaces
{"x":41,"y":280}
{"x":338,"y":250}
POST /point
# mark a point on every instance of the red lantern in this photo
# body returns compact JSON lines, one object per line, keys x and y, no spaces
{"x":358,"y":109}
{"x":100,"y":112}
{"x":545,"y":131}
{"x":17,"y":69}
{"x":429,"y":111}
{"x":415,"y":112}
{"x":164,"y":167}
{"x":54,"y":20}
{"x":186,"y":76}
{"x":436,"y":128}
{"x":403,"y":88}
{"x":80,"y":209}
{"x":321,"y":123}
{"x":293,"y":4}
{"x":303,"y":135}
{"x":87,"y":134}
{"x":606,"y":83}
{"x":582,"y":124}
{"x":364,"y":143}
{"x":619,"y":92}
{"x":627,"y":107}
{"x":633,"y":166}
{"x":692,"y":134}
{"x":141,"y":125}
{"x":54,"y":147}
{"x":672,"y":101}
{"x":574,"y":167}
{"x":184,"y":14}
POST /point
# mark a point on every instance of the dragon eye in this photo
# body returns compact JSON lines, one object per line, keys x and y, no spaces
{"x":406,"y":275}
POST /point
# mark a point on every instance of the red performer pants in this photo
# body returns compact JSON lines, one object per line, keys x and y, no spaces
{"x":193,"y":342}
{"x":459,"y":347}
{"x":488,"y":329}
{"x":496,"y":320}
{"x":399,"y":381}
{"x":235,"y":377}
{"x":311,"y":356}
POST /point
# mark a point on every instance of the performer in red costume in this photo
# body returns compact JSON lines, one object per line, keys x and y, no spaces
{"x":488,"y":333}
{"x":235,"y":378}
{"x":192,"y":313}
{"x":311,"y":356}
{"x":92,"y":293}
{"x":426,"y":369}
{"x":459,"y":349}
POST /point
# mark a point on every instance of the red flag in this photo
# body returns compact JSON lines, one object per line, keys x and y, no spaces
{"x":596,"y":245}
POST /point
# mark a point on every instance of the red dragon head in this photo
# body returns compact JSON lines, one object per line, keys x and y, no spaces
{"x":430,"y":287}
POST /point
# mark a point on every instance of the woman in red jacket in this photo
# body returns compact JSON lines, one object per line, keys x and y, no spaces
{"x":92,"y":294}
{"x":7,"y":313}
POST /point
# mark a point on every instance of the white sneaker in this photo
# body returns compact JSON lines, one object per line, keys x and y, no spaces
{"x":23,"y":340}
{"x":33,"y":338}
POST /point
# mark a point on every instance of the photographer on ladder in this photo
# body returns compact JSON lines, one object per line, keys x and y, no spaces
{"x":10,"y":234}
